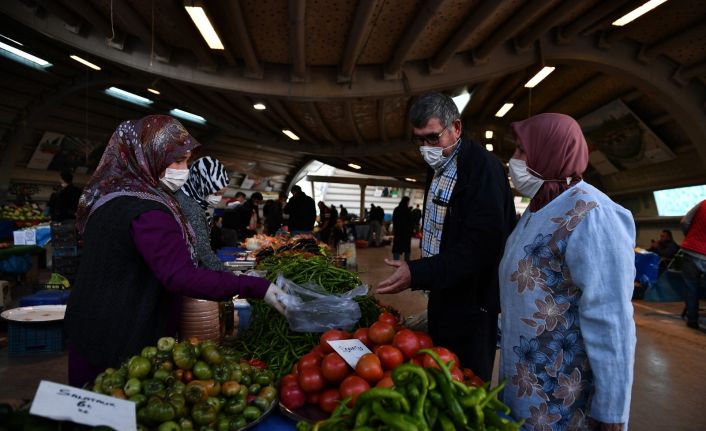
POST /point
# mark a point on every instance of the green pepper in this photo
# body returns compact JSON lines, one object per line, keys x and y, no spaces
{"x":159,"y":411}
{"x":139,"y":367}
{"x":169,"y":426}
{"x":230,"y":388}
{"x":202,"y":371}
{"x":140,"y":400}
{"x":395,"y":421}
{"x":452,"y":404}
{"x":211,"y":355}
{"x":149,"y":352}
{"x":268,"y":392}
{"x":184,"y":355}
{"x":132,"y":387}
{"x":251,"y":413}
{"x":261,"y":403}
{"x":203,"y":413}
{"x":238,"y":423}
{"x":221,"y":372}
{"x":446,"y":423}
{"x":153,"y":387}
{"x":166,"y":344}
{"x":234,"y":406}
{"x":477,"y":395}
{"x":362,"y":415}
{"x":195,"y":392}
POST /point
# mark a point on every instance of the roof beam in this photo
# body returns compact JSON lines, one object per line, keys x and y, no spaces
{"x":527,"y":37}
{"x":134,"y":22}
{"x":682,"y":38}
{"x":363,"y":181}
{"x":382,"y":132}
{"x":502,"y":93}
{"x":576,"y":92}
{"x":243,"y":104}
{"x":692,"y":70}
{"x":411,"y":35}
{"x":358,"y":35}
{"x":465,"y":31}
{"x":289,"y":121}
{"x":316,"y":115}
{"x":253,"y":66}
{"x":297,"y":39}
{"x":113,"y":36}
{"x":603,"y":8}
{"x":348,"y":106}
{"x":73,"y":21}
{"x":223,"y":103}
{"x":191,"y":36}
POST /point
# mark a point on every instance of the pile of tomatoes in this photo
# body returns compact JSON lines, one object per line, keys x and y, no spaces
{"x":323,"y":378}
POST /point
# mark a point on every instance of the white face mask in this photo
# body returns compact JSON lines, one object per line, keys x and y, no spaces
{"x":173,"y":179}
{"x":525,"y":183}
{"x":214,"y":200}
{"x":434,"y":156}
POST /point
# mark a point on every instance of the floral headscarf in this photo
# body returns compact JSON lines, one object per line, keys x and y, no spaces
{"x":136,"y":155}
{"x":556,"y":149}
{"x":206,"y":176}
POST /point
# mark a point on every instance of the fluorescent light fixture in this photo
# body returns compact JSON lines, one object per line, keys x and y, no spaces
{"x":127,"y":96}
{"x":85,"y":62}
{"x":11,"y":40}
{"x":185,"y":115}
{"x":198,"y":15}
{"x":489,"y":147}
{"x":154,"y":91}
{"x":488,"y":134}
{"x":354,"y":166}
{"x":536,"y":79}
{"x":638,"y":12}
{"x":23,"y":57}
{"x":259,"y":106}
{"x":462,"y":100}
{"x":411,"y":179}
{"x":502,"y":111}
{"x":290,"y":134}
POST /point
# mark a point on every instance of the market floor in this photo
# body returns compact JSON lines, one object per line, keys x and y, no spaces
{"x":670,"y":365}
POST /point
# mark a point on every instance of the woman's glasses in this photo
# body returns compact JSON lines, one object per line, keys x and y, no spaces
{"x":430,"y":139}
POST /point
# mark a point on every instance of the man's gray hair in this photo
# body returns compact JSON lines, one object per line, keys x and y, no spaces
{"x":433,"y":105}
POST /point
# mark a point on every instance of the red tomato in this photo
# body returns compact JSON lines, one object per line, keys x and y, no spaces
{"x":476,"y":381}
{"x":311,"y":379}
{"x":362,"y":335}
{"x":468,"y":373}
{"x":381,"y":333}
{"x":288,"y":380}
{"x":352,"y":386}
{"x":332,"y":335}
{"x":388,"y":318}
{"x":292,"y":396}
{"x":457,"y":374}
{"x":419,"y":360}
{"x":334,"y":368}
{"x":386,"y":382}
{"x":329,"y":399}
{"x":390,"y":356}
{"x":424,"y":340}
{"x":313,"y":398}
{"x":445,"y":354}
{"x":318,"y":351}
{"x":309,"y":360}
{"x":369,"y":368}
{"x":407,"y":342}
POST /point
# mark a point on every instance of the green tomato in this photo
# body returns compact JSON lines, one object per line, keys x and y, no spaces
{"x":269,"y":393}
{"x":161,"y":374}
{"x":238,"y":423}
{"x":184,"y":355}
{"x":203,"y":413}
{"x":234,"y":406}
{"x":261,"y":403}
{"x":149,"y":352}
{"x":251,"y":413}
{"x":166,"y":344}
{"x":169,"y":426}
{"x":132,"y":387}
{"x":139,"y":367}
{"x":202,"y":371}
{"x":254,"y":388}
{"x":186,"y":424}
{"x":140,"y":400}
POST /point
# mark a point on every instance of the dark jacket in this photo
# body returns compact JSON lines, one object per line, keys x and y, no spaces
{"x":64,"y":203}
{"x":463,"y":277}
{"x":402,"y":228}
{"x":302,"y":212}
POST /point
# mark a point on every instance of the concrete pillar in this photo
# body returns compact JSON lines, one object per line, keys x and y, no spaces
{"x":362,"y":201}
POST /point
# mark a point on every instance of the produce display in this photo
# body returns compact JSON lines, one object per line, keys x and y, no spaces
{"x":21,"y":212}
{"x":191,"y":385}
{"x":269,"y":336}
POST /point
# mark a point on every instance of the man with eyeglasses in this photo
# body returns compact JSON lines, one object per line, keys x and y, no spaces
{"x":468,"y":215}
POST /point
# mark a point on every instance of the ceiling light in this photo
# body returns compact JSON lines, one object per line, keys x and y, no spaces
{"x":536,"y":79}
{"x":198,"y":15}
{"x":462,"y":100}
{"x":127,"y":96}
{"x":489,"y":147}
{"x":411,"y":179}
{"x":185,"y":115}
{"x":154,"y":91}
{"x":23,"y":57}
{"x":638,"y":12}
{"x":488,"y":134}
{"x":259,"y":106}
{"x":354,"y":166}
{"x":502,"y":111}
{"x":11,"y":40}
{"x":85,"y":62}
{"x":290,"y":134}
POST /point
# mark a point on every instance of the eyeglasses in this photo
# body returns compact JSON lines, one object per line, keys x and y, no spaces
{"x":431,"y":139}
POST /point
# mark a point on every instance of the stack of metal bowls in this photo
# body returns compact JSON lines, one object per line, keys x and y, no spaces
{"x":200,"y":319}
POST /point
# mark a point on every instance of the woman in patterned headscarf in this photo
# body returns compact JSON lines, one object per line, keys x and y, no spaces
{"x":566,"y":281}
{"x":205,"y":186}
{"x":138,"y":257}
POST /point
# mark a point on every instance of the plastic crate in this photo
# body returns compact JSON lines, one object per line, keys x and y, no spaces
{"x":68,"y":251}
{"x":35,"y":338}
{"x":46,"y":297}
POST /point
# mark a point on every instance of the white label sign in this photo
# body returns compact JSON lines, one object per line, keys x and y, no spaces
{"x":66,"y":403}
{"x":350,"y":350}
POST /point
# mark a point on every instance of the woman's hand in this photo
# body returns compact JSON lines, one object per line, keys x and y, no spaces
{"x":274,"y":297}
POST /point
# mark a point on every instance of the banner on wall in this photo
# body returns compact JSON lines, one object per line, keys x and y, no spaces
{"x":58,"y":152}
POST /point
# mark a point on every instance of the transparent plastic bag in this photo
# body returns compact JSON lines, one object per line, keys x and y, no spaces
{"x":309,"y":309}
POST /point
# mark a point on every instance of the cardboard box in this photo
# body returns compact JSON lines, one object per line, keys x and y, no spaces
{"x":25,"y":237}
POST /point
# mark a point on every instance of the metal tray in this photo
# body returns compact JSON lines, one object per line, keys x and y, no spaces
{"x":35,"y":313}
{"x":266,"y":413}
{"x":307,"y":413}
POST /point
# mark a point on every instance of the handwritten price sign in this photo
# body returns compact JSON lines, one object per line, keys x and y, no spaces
{"x":350,"y":350}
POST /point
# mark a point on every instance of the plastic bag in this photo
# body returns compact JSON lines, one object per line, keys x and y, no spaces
{"x":310,"y":309}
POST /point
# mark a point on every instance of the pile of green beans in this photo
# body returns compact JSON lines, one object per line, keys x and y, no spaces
{"x":269,"y":337}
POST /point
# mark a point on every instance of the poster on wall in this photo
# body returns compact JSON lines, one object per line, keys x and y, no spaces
{"x":45,"y":151}
{"x":621,"y":140}
{"x":58,"y":152}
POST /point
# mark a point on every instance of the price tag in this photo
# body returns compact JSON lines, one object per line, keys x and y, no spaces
{"x":66,"y":403}
{"x":350,"y":350}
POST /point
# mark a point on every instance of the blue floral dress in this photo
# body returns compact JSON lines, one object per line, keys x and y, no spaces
{"x":568,"y":335}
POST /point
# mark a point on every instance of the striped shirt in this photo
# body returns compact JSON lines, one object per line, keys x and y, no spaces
{"x":437,"y":202}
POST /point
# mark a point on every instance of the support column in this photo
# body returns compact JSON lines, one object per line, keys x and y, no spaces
{"x":362,"y":201}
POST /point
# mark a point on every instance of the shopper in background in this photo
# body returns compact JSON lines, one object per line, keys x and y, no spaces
{"x":325,"y":222}
{"x":338,"y":233}
{"x":302,"y":212}
{"x":138,"y":256}
{"x":272,"y":212}
{"x":217,"y":233}
{"x":463,"y":237}
{"x":402,"y":230}
{"x":666,"y":248}
{"x":343,"y":213}
{"x":247,"y":217}
{"x":375,"y":219}
{"x":63,"y":203}
{"x":207,"y":182}
{"x":416,"y":218}
{"x":568,"y":335}
{"x":694,"y":266}
{"x":230,"y":219}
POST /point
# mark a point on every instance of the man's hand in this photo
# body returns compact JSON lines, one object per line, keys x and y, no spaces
{"x":398,"y":281}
